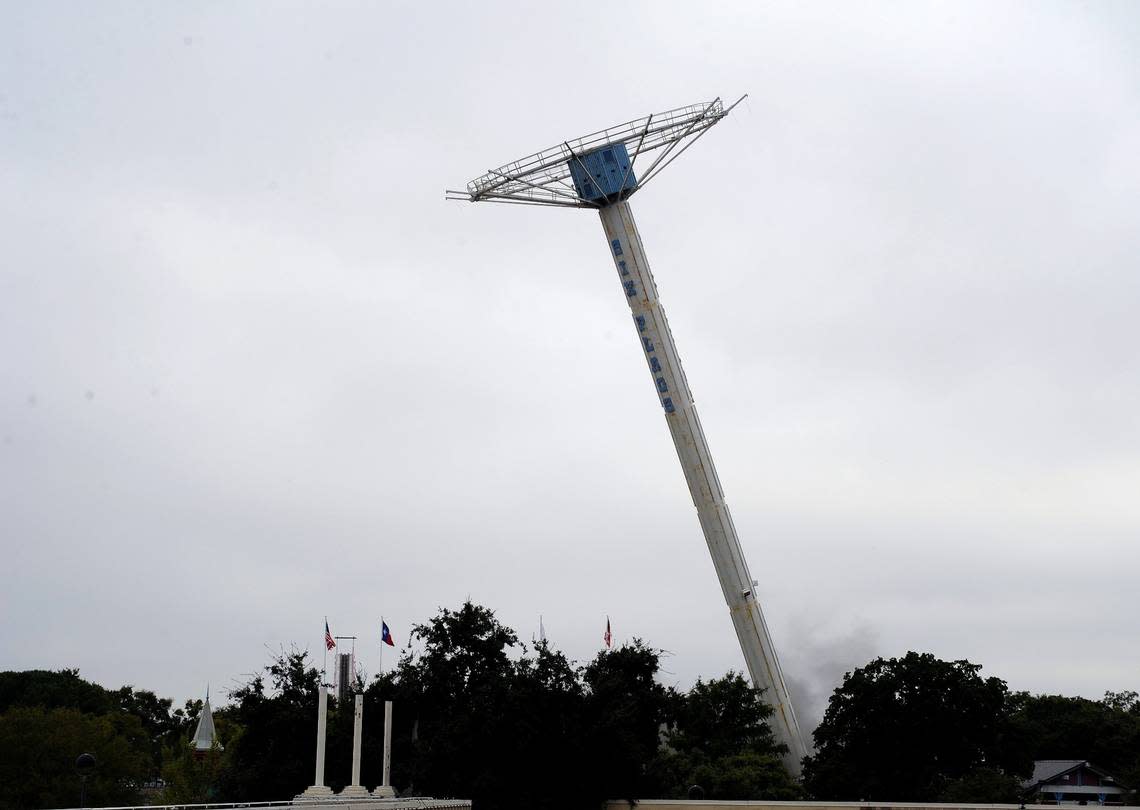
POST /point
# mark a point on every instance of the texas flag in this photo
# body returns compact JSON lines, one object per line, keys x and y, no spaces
{"x":608,"y":637}
{"x":385,"y":635}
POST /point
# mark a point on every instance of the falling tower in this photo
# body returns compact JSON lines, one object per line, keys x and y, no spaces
{"x":601,"y":171}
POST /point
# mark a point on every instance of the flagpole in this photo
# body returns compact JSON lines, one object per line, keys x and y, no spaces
{"x":381,"y":645}
{"x":325,"y":647}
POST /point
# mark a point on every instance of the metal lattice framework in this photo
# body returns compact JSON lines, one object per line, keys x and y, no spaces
{"x":544,"y":177}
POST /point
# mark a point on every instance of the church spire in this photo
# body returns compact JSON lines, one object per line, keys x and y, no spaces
{"x":204,"y":737}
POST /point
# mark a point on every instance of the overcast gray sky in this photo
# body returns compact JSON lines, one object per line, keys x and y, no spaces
{"x":254,"y":369}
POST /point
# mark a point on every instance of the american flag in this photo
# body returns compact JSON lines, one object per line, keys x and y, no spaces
{"x":608,"y":637}
{"x":329,"y":643}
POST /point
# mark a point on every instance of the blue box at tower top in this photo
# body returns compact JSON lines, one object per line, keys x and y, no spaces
{"x":603,"y":174}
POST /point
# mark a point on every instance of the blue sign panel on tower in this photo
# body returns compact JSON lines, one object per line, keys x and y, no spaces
{"x":603,"y":174}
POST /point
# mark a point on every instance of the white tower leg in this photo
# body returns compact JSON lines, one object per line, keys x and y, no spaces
{"x":318,"y":789}
{"x":696,"y":461}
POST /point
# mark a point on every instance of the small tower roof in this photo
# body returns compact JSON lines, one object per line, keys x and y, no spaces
{"x":204,"y":733}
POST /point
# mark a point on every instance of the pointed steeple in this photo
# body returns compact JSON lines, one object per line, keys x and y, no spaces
{"x":204,"y":733}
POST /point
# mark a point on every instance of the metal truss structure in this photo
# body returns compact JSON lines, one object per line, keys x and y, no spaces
{"x":544,"y":177}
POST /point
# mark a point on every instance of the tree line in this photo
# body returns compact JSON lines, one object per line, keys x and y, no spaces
{"x":479,"y":714}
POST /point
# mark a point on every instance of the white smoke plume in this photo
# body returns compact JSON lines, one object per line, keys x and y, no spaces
{"x":815,"y":664}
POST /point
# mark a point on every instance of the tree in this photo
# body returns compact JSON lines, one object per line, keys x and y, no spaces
{"x":154,"y":714}
{"x":719,"y":738}
{"x":480,"y":715}
{"x":458,"y":696}
{"x":1105,"y":732}
{"x":193,"y":777}
{"x":903,"y":729}
{"x":272,"y":757}
{"x":983,"y":785}
{"x":723,"y":716}
{"x":547,"y":703}
{"x":473,"y":720}
{"x":53,"y":690}
{"x":624,"y":710}
{"x":743,"y":776}
{"x":185,"y":720}
{"x":38,"y":748}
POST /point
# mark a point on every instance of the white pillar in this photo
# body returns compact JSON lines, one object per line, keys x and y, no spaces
{"x":387,"y":743}
{"x":318,"y":788}
{"x":358,"y":717}
{"x":357,"y":721}
{"x":385,"y":788}
{"x":700,"y":474}
{"x":322,"y":718}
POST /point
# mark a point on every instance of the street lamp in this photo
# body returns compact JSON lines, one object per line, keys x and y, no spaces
{"x":85,"y":766}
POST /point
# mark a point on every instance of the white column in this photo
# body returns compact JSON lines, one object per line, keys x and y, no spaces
{"x":358,"y":717}
{"x":357,"y":722}
{"x":387,"y":743}
{"x":385,"y":788}
{"x":681,"y":415}
{"x":318,"y":788}
{"x":322,"y":717}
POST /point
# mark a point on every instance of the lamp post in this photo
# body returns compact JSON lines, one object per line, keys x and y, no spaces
{"x":84,"y":766}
